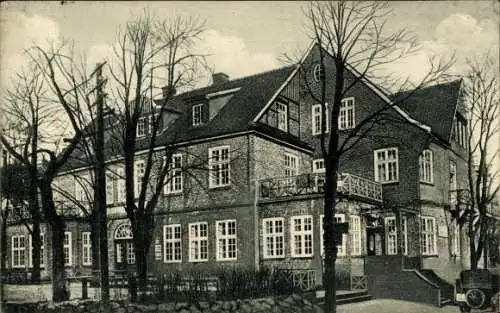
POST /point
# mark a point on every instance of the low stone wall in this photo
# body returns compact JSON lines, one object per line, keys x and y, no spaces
{"x":290,"y":304}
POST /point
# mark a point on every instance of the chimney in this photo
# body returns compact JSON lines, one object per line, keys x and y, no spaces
{"x":168,"y":91}
{"x":219,"y":78}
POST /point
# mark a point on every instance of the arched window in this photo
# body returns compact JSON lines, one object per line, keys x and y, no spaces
{"x":124,"y":231}
{"x":124,"y":246}
{"x":318,"y":72}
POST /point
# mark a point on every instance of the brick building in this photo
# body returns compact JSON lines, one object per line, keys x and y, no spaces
{"x":258,"y":202}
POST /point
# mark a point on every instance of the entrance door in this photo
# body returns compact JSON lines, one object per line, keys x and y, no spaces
{"x":374,"y":241}
{"x":124,"y":248}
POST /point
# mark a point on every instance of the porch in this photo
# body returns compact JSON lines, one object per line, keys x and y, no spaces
{"x":348,"y":185}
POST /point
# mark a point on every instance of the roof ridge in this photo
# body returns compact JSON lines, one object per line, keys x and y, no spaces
{"x":232,"y":81}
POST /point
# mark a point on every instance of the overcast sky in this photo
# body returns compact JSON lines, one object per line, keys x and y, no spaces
{"x":243,"y":37}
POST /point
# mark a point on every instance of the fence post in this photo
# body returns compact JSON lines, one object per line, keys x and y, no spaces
{"x":85,"y":294}
{"x":132,"y":288}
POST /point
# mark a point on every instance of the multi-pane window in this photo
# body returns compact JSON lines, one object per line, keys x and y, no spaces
{"x":428,"y":235}
{"x":302,"y":236}
{"x":453,"y":182}
{"x":274,"y":237}
{"x":18,"y":251}
{"x":145,"y":124}
{"x":355,"y":233}
{"x":174,"y":177}
{"x":198,"y":242}
{"x":346,"y":113}
{"x":226,"y":240}
{"x":139,"y":168}
{"x":172,"y":251}
{"x":115,"y":186}
{"x":219,"y":164}
{"x":67,"y":249}
{"x":459,"y":133}
{"x":290,"y":169}
{"x":282,"y":115}
{"x":426,"y":167}
{"x":130,"y":253}
{"x":86,"y":249}
{"x":42,"y":250}
{"x":319,"y":171}
{"x":197,"y":114}
{"x":341,"y":247}
{"x":386,"y":165}
{"x":391,"y":235}
{"x":317,"y":118}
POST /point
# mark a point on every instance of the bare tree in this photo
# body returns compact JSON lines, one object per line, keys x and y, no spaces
{"x":150,"y":52}
{"x":66,"y":87}
{"x":481,"y":96}
{"x":355,"y":37}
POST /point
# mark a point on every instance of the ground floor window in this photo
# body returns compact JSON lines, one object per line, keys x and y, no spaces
{"x":124,"y":245}
{"x":172,"y":243}
{"x":273,"y":237}
{"x":355,"y":233}
{"x":302,"y":236}
{"x":67,"y":248}
{"x":18,"y":251}
{"x":341,"y":248}
{"x":198,"y":242}
{"x":226,"y":240}
{"x":86,"y":249}
{"x":428,"y":235}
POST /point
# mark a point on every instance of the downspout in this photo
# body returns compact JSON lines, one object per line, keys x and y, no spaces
{"x":250,"y":154}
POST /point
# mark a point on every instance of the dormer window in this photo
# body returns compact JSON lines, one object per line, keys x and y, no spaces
{"x":459,"y":133}
{"x":198,"y":114}
{"x":145,"y":124}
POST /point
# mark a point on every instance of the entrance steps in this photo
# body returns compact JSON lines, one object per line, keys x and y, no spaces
{"x":345,"y":296}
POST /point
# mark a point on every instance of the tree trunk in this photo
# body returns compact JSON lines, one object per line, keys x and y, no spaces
{"x":36,"y":242}
{"x":142,"y":241}
{"x":57,"y":225}
{"x":94,"y":239}
{"x":330,"y":238}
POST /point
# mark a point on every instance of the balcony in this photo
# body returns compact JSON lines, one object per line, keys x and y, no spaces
{"x":68,"y":209}
{"x":348,"y":185}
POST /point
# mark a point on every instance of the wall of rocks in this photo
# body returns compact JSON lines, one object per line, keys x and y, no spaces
{"x":289,"y":304}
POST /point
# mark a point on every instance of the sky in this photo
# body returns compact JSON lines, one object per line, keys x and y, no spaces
{"x":242,"y":37}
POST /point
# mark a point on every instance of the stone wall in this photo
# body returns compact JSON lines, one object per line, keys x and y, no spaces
{"x":289,"y":304}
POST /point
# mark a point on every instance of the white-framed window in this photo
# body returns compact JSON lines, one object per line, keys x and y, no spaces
{"x":198,"y":242}
{"x":113,"y":181}
{"x":391,"y":235}
{"x":428,"y":235}
{"x":318,"y":169}
{"x":42,"y":250}
{"x":172,"y":241}
{"x":341,"y":248}
{"x":226,"y":244}
{"x":273,"y":232}
{"x":346,"y":113}
{"x":174,"y":178}
{"x":355,"y":233}
{"x":86,"y":248}
{"x":141,"y":127}
{"x":139,"y":168}
{"x":220,"y":167}
{"x":426,"y":166}
{"x":18,"y":251}
{"x":197,"y":117}
{"x":453,"y":183}
{"x":145,"y":124}
{"x":282,"y":109}
{"x":130,"y":253}
{"x":301,"y":230}
{"x":318,"y":72}
{"x":386,"y":165}
{"x":68,"y":248}
{"x":290,"y":162}
{"x":317,"y":111}
{"x":455,"y":243}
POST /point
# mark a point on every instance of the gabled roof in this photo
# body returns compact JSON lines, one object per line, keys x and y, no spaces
{"x":251,"y":95}
{"x":434,"y":106}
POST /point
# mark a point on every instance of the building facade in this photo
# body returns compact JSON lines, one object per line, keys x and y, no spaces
{"x":257,"y":199}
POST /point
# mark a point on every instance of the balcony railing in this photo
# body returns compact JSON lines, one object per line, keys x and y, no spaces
{"x":348,"y":185}
{"x":68,"y":209}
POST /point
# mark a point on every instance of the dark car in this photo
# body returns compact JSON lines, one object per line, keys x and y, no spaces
{"x":477,"y":291}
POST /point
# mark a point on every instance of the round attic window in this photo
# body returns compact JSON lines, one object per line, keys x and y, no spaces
{"x":317,"y":72}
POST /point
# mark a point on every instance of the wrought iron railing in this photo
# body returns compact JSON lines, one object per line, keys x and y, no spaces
{"x":348,"y":185}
